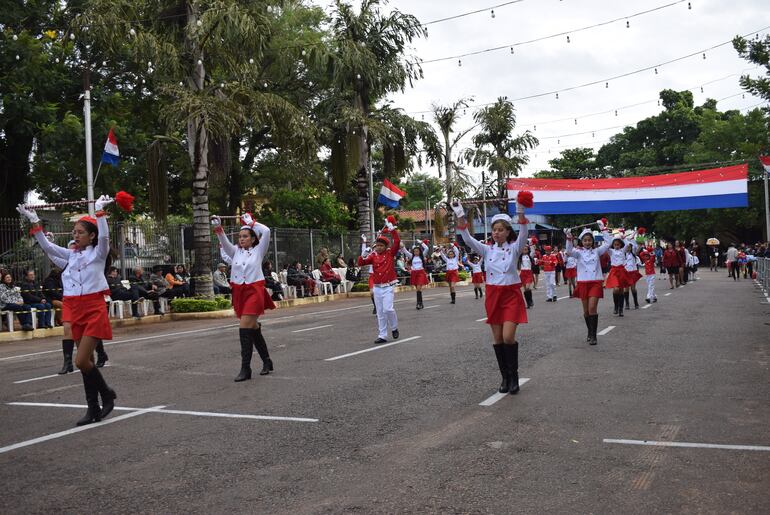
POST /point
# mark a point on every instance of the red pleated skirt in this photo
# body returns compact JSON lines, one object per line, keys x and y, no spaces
{"x":452,"y":276}
{"x":617,"y":278}
{"x":505,"y":304}
{"x":87,"y":314}
{"x":251,"y":299}
{"x":418,"y":277}
{"x":526,"y":276}
{"x":570,"y":273}
{"x":477,"y":277}
{"x":633,"y":276}
{"x":587,"y":289}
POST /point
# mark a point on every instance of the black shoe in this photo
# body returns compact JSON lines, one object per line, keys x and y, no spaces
{"x":481,"y":293}
{"x":588,"y":327}
{"x":654,"y":300}
{"x":647,"y":300}
{"x":395,"y":334}
{"x":374,"y":311}
{"x":594,"y":320}
{"x":246,"y":352}
{"x":243,"y":375}
{"x":93,"y":414}
{"x":502,"y":365}
{"x":380,"y":340}
{"x":452,"y":295}
{"x":555,"y":299}
{"x":549,"y":299}
{"x":67,"y":348}
{"x":267,"y":367}
{"x":107,"y":394}
{"x":261,"y":346}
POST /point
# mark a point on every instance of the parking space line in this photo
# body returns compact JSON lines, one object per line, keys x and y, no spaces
{"x":370,"y":349}
{"x":312,"y":328}
{"x":667,"y":294}
{"x":655,"y":443}
{"x":605,"y":331}
{"x":497,"y":396}
{"x":431,"y":307}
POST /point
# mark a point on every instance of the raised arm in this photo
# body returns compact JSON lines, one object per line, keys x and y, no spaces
{"x":523,"y":237}
{"x":569,"y":248}
{"x":264,"y":238}
{"x":103,"y":243}
{"x":395,"y":244}
{"x":605,"y":246}
{"x":226,"y":247}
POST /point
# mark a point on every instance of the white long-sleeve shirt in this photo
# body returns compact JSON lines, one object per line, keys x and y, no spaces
{"x":246,"y":263}
{"x":84,"y":270}
{"x":417,"y":262}
{"x":452,"y":263}
{"x":499,"y":260}
{"x":475,"y":267}
{"x":570,"y":262}
{"x":589,"y":267}
{"x":526,"y":262}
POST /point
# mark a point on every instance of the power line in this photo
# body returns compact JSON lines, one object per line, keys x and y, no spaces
{"x":551,"y":36}
{"x":469,"y":13}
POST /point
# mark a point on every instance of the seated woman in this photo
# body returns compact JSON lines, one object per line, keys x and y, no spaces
{"x":11,"y":300}
{"x":270,"y":282}
{"x":179,"y":286}
{"x":328,"y":275}
{"x":304,"y":282}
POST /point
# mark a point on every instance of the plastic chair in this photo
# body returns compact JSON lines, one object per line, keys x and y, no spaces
{"x":323,"y":285}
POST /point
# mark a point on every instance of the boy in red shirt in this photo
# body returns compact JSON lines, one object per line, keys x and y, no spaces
{"x":549,"y":262}
{"x":648,"y":258}
{"x":384,"y":277}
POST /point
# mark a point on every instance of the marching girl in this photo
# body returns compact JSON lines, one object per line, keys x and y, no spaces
{"x":85,"y":285}
{"x":549,"y":262}
{"x":648,"y":259}
{"x":589,"y":275}
{"x":570,"y":273}
{"x":452,"y":260}
{"x":632,"y":271}
{"x":526,"y":276}
{"x":417,"y":276}
{"x":535,"y":255}
{"x":67,"y":343}
{"x":478,"y":276}
{"x":383,"y":277}
{"x":617,"y":279}
{"x":504,"y":303}
{"x":249,"y":296}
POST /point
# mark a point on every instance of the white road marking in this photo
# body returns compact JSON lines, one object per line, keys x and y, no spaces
{"x":161,"y":409}
{"x":562,"y":298}
{"x":482,"y":319}
{"x":431,"y":307}
{"x":654,"y":443}
{"x":667,"y":294}
{"x":605,"y":331}
{"x":647,"y":306}
{"x":312,"y":328}
{"x":370,"y":349}
{"x":497,"y":396}
{"x":79,"y":429}
{"x":52,"y":376}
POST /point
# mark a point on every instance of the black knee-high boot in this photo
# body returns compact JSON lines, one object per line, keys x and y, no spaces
{"x":620,"y":304}
{"x":512,"y":363}
{"x":476,"y":292}
{"x":101,"y":356}
{"x":93,"y":414}
{"x":452,"y":296}
{"x":261,"y":346}
{"x":636,"y":299}
{"x":625,"y":297}
{"x":107,"y":394}
{"x":67,"y":346}
{"x":528,"y":298}
{"x":587,"y":318}
{"x":594,"y":326}
{"x":481,"y":292}
{"x":615,"y":303}
{"x":503,"y":366}
{"x":419,"y":300}
{"x":246,"y":352}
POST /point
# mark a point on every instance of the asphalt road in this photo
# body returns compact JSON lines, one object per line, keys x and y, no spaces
{"x":400,"y":428}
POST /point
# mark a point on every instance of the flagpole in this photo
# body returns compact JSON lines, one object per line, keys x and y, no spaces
{"x":767,"y":207}
{"x":96,"y":177}
{"x":89,"y":150}
{"x":371,"y":201}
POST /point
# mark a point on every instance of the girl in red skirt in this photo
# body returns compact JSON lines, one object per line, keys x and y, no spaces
{"x":617,"y":279}
{"x":570,"y":273}
{"x":478,"y":276}
{"x":589,"y":275}
{"x":85,"y":285}
{"x":249,"y":295}
{"x":632,"y":274}
{"x":417,"y":276}
{"x":452,"y":260}
{"x":526,"y":275}
{"x":504,"y":303}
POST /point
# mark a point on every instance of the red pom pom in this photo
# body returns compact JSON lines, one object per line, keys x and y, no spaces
{"x":641,"y":230}
{"x":525,"y":198}
{"x":604,"y":221}
{"x":533,"y":240}
{"x":125,"y":201}
{"x":392,"y":219}
{"x":426,"y":242}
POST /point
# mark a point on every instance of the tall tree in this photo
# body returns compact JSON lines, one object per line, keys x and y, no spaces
{"x":756,"y":51}
{"x":496,"y":148}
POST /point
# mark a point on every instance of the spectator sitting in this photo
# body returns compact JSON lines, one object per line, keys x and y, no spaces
{"x":328,"y":275}
{"x":341,"y":261}
{"x":179,"y":286}
{"x":221,"y":284}
{"x":123,"y":290}
{"x":159,"y":283}
{"x":11,"y":300}
{"x":296,"y":277}
{"x":144,"y":288}
{"x":32,"y":294}
{"x":52,"y":288}
{"x":270,"y":282}
{"x":353,"y":273}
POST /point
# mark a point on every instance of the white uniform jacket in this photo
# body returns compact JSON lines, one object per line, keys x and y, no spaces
{"x":588,"y":266}
{"x":246,"y":265}
{"x":500,"y":261}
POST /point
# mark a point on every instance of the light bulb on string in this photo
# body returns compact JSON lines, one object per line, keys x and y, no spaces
{"x":251,"y":60}
{"x":460,"y":63}
{"x":310,"y":83}
{"x":628,"y":24}
{"x":568,"y":40}
{"x":558,"y":142}
{"x":265,"y":85}
{"x":689,"y":5}
{"x":575,"y":121}
{"x":200,"y":62}
{"x":743,"y":95}
{"x":72,"y":37}
{"x":606,"y":85}
{"x":557,"y":96}
{"x":534,"y":127}
{"x":358,"y":76}
{"x":304,"y":53}
{"x":492,"y":13}
{"x":104,"y":63}
{"x":15,"y":37}
{"x":593,"y":134}
{"x":704,"y":55}
{"x":56,"y":60}
{"x":701,"y":89}
{"x":132,"y":32}
{"x":181,"y":84}
{"x":616,"y":112}
{"x":199,"y":23}
{"x":656,"y":71}
{"x":511,"y":50}
{"x":18,"y":57}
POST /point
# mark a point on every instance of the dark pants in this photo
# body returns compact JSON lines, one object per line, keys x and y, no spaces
{"x":149,"y":295}
{"x":24,"y":318}
{"x":131,"y":295}
{"x":44,"y":313}
{"x":222,"y":290}
{"x":178,"y":291}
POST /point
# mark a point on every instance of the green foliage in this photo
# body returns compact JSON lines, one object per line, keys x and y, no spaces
{"x":360,"y":287}
{"x":189,"y":305}
{"x":305,"y":208}
{"x":419,"y":186}
{"x":756,"y":51}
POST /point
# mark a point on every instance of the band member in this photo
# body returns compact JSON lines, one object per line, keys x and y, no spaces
{"x":478,"y":276}
{"x":417,"y":276}
{"x":384,"y":279}
{"x":526,"y":276}
{"x":549,"y":262}
{"x":617,"y":279}
{"x":452,"y":259}
{"x":570,"y":273}
{"x":648,"y":259}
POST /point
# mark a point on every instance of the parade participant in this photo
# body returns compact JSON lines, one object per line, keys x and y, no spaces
{"x":383,"y":277}
{"x":589,"y":274}
{"x":679,"y":249}
{"x":549,"y":262}
{"x":478,"y":276}
{"x":559,"y":264}
{"x":85,"y":286}
{"x":249,"y":296}
{"x":526,"y":276}
{"x":570,"y":273}
{"x":671,"y":263}
{"x":536,"y":255}
{"x":648,"y":259}
{"x":504,"y":303}
{"x":451,"y":258}
{"x":617,"y":279}
{"x":417,"y":276}
{"x":67,"y":343}
{"x":632,"y":271}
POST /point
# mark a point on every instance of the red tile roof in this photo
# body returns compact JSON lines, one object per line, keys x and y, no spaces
{"x":418,"y":215}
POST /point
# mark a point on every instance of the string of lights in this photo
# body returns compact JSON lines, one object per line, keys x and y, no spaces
{"x":491,"y":10}
{"x":567,"y":33}
{"x":606,"y":81}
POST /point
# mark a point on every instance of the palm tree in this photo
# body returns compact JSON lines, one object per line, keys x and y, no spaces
{"x":495,"y":146}
{"x":367,"y":61}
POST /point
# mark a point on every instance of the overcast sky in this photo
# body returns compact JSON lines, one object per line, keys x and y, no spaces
{"x":590,"y":55}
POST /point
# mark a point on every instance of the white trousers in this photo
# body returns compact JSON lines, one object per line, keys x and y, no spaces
{"x":650,"y":285}
{"x":550,"y":284}
{"x":386,"y":315}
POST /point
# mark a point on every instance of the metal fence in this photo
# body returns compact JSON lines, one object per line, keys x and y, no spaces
{"x":763,"y":273}
{"x":148,"y":243}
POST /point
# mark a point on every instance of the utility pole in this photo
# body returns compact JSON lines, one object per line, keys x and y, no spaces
{"x":89,"y":150}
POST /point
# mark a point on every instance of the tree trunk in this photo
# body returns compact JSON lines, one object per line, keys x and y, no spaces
{"x":14,"y":169}
{"x":362,"y":178}
{"x":451,"y":225}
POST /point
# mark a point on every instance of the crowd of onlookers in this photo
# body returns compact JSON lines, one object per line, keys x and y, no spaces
{"x":740,"y":259}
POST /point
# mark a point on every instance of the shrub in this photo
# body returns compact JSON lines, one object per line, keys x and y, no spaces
{"x":361,"y":287}
{"x":199,"y":305}
{"x":463,"y":275}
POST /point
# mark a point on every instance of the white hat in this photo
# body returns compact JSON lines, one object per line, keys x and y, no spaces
{"x":586,"y":231}
{"x":502,"y":216}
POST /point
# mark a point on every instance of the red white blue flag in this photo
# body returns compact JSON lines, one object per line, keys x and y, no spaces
{"x":111,"y":154}
{"x":390,"y":194}
{"x":715,"y":188}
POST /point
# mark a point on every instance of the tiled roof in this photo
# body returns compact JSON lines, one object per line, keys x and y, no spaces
{"x":418,"y":215}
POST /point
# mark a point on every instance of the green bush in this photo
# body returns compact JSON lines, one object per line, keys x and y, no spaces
{"x":441,"y":276}
{"x":361,"y":287}
{"x":199,"y":305}
{"x":463,"y":275}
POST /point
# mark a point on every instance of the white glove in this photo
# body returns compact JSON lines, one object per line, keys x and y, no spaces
{"x":247,"y":219}
{"x":568,"y":234}
{"x":390,"y":226}
{"x":601,"y":225}
{"x":458,"y":209}
{"x":215,"y":221}
{"x":363,"y":238}
{"x":102,"y":201}
{"x":30,"y":214}
{"x":50,"y":237}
